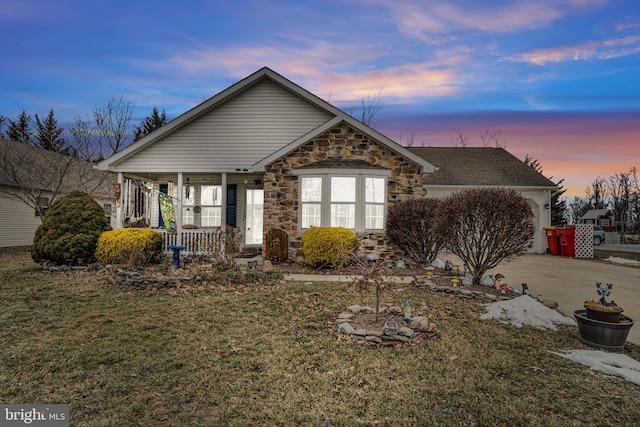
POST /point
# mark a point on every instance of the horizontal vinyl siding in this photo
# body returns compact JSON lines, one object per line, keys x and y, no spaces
{"x":19,"y":222}
{"x":234,"y":135}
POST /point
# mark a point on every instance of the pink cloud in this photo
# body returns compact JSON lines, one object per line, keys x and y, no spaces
{"x":435,"y":22}
{"x":604,"y":49}
{"x":575,"y":147}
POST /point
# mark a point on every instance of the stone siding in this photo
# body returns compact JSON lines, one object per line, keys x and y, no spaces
{"x":341,"y":143}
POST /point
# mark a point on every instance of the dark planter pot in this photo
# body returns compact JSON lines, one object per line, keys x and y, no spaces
{"x":603,"y":315}
{"x":604,"y":335}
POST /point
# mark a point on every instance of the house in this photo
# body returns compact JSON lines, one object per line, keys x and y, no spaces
{"x":602,"y":217}
{"x":267,"y":154}
{"x":32,"y":176}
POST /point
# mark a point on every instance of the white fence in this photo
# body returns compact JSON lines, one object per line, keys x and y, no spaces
{"x":196,"y":241}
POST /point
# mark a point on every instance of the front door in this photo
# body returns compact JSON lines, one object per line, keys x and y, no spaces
{"x":255,"y":209}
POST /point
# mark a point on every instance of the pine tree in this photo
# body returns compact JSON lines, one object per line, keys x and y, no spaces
{"x":154,"y":121}
{"x":558,"y":205}
{"x":48,"y":134}
{"x":20,"y":131}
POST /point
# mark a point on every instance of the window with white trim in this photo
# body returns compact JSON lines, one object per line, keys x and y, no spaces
{"x":210,"y":205}
{"x":188,"y":203}
{"x":353,"y":201}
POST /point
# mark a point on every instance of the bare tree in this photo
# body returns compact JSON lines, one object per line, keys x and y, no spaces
{"x":370,"y":106}
{"x":485,"y":226}
{"x":597,"y":193}
{"x":491,"y":137}
{"x":459,"y":139}
{"x":619,"y":187}
{"x":33,"y":175}
{"x":410,"y":225}
{"x":410,"y":139}
{"x":105,"y":132}
{"x":577,"y":208}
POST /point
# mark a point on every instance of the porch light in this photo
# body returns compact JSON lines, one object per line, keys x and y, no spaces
{"x":187,"y":190}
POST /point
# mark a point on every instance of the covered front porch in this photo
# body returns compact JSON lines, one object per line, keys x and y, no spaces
{"x":204,"y":205}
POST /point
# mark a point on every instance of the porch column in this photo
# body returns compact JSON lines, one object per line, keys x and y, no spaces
{"x":178,"y":208}
{"x":119,"y":202}
{"x":223,"y":214}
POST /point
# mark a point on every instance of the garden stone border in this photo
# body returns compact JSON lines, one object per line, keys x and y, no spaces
{"x":417,"y":327}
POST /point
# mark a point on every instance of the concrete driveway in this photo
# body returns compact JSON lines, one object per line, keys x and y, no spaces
{"x":570,"y":281}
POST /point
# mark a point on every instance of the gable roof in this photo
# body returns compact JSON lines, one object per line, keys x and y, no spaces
{"x":427,"y":166}
{"x":479,"y":166}
{"x":26,"y":166}
{"x":334,"y":114}
{"x":596,"y":213}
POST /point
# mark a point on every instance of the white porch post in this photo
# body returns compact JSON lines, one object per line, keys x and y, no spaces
{"x":178,"y":209}
{"x":120,"y":203}
{"x":223,"y":214}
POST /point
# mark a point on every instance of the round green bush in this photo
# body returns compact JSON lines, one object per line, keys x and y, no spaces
{"x":332,"y":246}
{"x":69,"y":230}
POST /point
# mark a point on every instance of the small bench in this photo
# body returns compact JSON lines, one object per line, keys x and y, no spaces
{"x":176,"y":254}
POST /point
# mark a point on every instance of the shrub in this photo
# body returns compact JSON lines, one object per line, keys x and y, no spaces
{"x":69,"y":230}
{"x":411,"y":226}
{"x":328,"y":246}
{"x":133,"y":246}
{"x":485,"y":226}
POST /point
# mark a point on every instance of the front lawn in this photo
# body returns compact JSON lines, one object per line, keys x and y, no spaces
{"x":270,"y":355}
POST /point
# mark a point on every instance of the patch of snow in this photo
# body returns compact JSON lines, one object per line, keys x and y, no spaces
{"x":616,"y":364}
{"x":622,"y":260}
{"x":526,"y":311}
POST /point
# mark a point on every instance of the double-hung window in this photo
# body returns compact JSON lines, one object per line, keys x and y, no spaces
{"x":188,"y":204}
{"x":211,"y":205}
{"x":351,"y":200}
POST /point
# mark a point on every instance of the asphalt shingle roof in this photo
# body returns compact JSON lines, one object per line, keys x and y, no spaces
{"x":479,"y":166}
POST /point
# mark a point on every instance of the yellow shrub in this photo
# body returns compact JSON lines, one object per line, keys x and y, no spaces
{"x":328,"y":246}
{"x":129,"y":245}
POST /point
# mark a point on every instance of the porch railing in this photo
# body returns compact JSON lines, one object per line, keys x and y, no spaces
{"x":196,"y":241}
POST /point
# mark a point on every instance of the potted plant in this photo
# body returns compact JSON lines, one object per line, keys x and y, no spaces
{"x":602,"y":323}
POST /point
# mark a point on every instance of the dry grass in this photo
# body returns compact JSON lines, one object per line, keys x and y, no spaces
{"x":269,"y":355}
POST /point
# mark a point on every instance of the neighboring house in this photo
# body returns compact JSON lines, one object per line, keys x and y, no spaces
{"x":267,"y":154}
{"x":30,"y":175}
{"x":602,"y":217}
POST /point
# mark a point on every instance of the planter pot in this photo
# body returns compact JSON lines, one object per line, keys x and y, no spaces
{"x":605,"y":335}
{"x":603,"y":315}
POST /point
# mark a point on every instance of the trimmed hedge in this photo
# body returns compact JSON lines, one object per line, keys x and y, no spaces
{"x":135,"y":246}
{"x":69,"y":230}
{"x":332,"y":246}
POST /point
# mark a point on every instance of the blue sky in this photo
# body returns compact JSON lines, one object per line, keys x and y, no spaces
{"x":560,"y":78}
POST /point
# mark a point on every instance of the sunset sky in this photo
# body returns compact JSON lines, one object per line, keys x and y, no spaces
{"x":560,"y":78}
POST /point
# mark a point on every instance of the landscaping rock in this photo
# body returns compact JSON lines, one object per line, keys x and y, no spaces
{"x":355,"y":309}
{"x":422,"y":326}
{"x":345,"y":315}
{"x":395,"y":310}
{"x":360,"y":332}
{"x":267,"y":266}
{"x":406,"y":332}
{"x":550,"y":304}
{"x":373,"y":338}
{"x":346,"y":328}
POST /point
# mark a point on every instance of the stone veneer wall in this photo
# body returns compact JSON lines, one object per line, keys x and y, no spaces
{"x":344,"y":143}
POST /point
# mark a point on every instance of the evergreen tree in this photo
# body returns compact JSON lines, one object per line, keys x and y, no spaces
{"x":20,"y":131}
{"x":154,"y":121}
{"x":48,"y":134}
{"x":558,"y":205}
